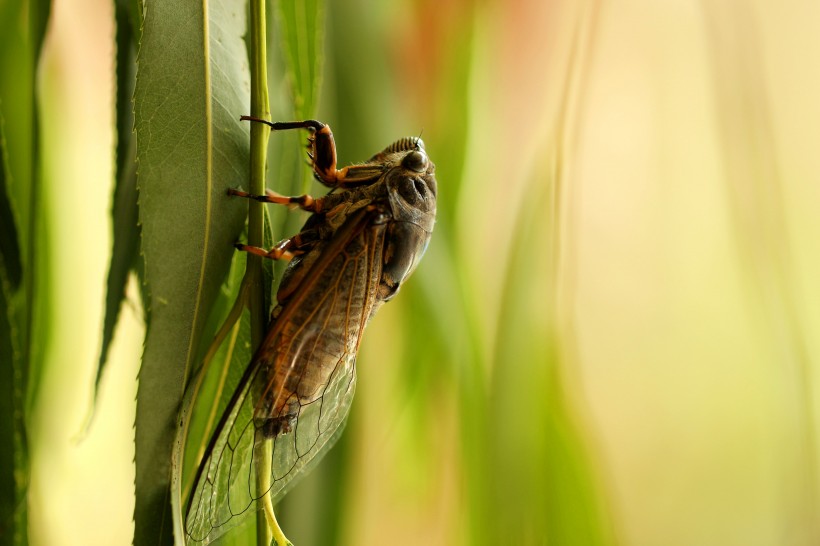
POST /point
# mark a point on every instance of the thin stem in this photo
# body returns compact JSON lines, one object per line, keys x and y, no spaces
{"x":266,"y":526}
{"x":260,"y":108}
{"x":262,"y":457}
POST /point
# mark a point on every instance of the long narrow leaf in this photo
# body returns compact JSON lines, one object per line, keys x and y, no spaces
{"x":190,"y":91}
{"x":125,"y":252}
{"x":22,"y":332}
{"x":9,"y":242}
{"x":13,"y":456}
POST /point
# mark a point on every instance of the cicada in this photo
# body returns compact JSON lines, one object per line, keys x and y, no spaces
{"x":361,"y":242}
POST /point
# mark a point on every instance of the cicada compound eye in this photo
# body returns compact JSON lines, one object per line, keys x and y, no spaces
{"x":415,"y":161}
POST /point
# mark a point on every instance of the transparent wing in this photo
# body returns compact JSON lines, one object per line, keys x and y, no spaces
{"x":302,"y":379}
{"x":227,"y":491}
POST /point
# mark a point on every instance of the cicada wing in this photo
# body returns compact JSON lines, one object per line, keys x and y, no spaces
{"x":318,"y":426}
{"x":227,"y":492}
{"x":225,"y":473}
{"x":311,"y":348}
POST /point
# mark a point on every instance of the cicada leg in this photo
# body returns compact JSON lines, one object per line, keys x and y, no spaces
{"x":322,"y":153}
{"x":284,"y":250}
{"x":304,"y":202}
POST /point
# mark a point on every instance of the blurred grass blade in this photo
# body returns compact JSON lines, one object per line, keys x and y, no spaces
{"x":191,"y":88}
{"x":545,"y":479}
{"x":34,"y":310}
{"x":300,"y":30}
{"x":125,"y":252}
{"x":301,"y":34}
{"x":23,"y":276}
{"x":14,"y":455}
{"x":301,"y":27}
{"x":9,"y":242}
{"x":759,"y":201}
{"x":542,"y":474}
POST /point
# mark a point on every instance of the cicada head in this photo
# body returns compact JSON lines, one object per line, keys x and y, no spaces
{"x":411,"y":193}
{"x":411,"y":183}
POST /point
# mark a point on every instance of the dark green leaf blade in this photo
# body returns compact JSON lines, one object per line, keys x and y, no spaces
{"x":9,"y":419}
{"x":13,"y":457}
{"x":191,"y":89}
{"x":23,"y":333}
{"x":9,"y":242}
{"x":124,"y":255}
{"x":125,"y":251}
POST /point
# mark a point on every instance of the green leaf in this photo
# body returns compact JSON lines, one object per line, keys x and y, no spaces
{"x":124,"y":255}
{"x":125,"y":252}
{"x":23,"y":277}
{"x":192,"y":86}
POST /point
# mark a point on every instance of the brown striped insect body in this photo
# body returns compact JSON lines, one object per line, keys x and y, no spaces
{"x":361,"y":242}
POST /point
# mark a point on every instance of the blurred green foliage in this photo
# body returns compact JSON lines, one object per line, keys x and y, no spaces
{"x":24,"y":262}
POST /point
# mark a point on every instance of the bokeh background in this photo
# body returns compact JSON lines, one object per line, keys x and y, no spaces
{"x":612,"y":337}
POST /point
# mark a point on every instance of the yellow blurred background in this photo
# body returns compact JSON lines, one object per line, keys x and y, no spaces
{"x":629,"y":197}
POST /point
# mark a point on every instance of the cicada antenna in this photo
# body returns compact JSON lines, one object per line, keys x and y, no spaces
{"x":418,"y":138}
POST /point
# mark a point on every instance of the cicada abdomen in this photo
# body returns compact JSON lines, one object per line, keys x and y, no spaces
{"x":359,"y":245}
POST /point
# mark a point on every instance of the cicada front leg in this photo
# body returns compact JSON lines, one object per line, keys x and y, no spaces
{"x":322,"y":154}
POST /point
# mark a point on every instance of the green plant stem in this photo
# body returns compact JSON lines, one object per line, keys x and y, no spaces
{"x":260,"y":108}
